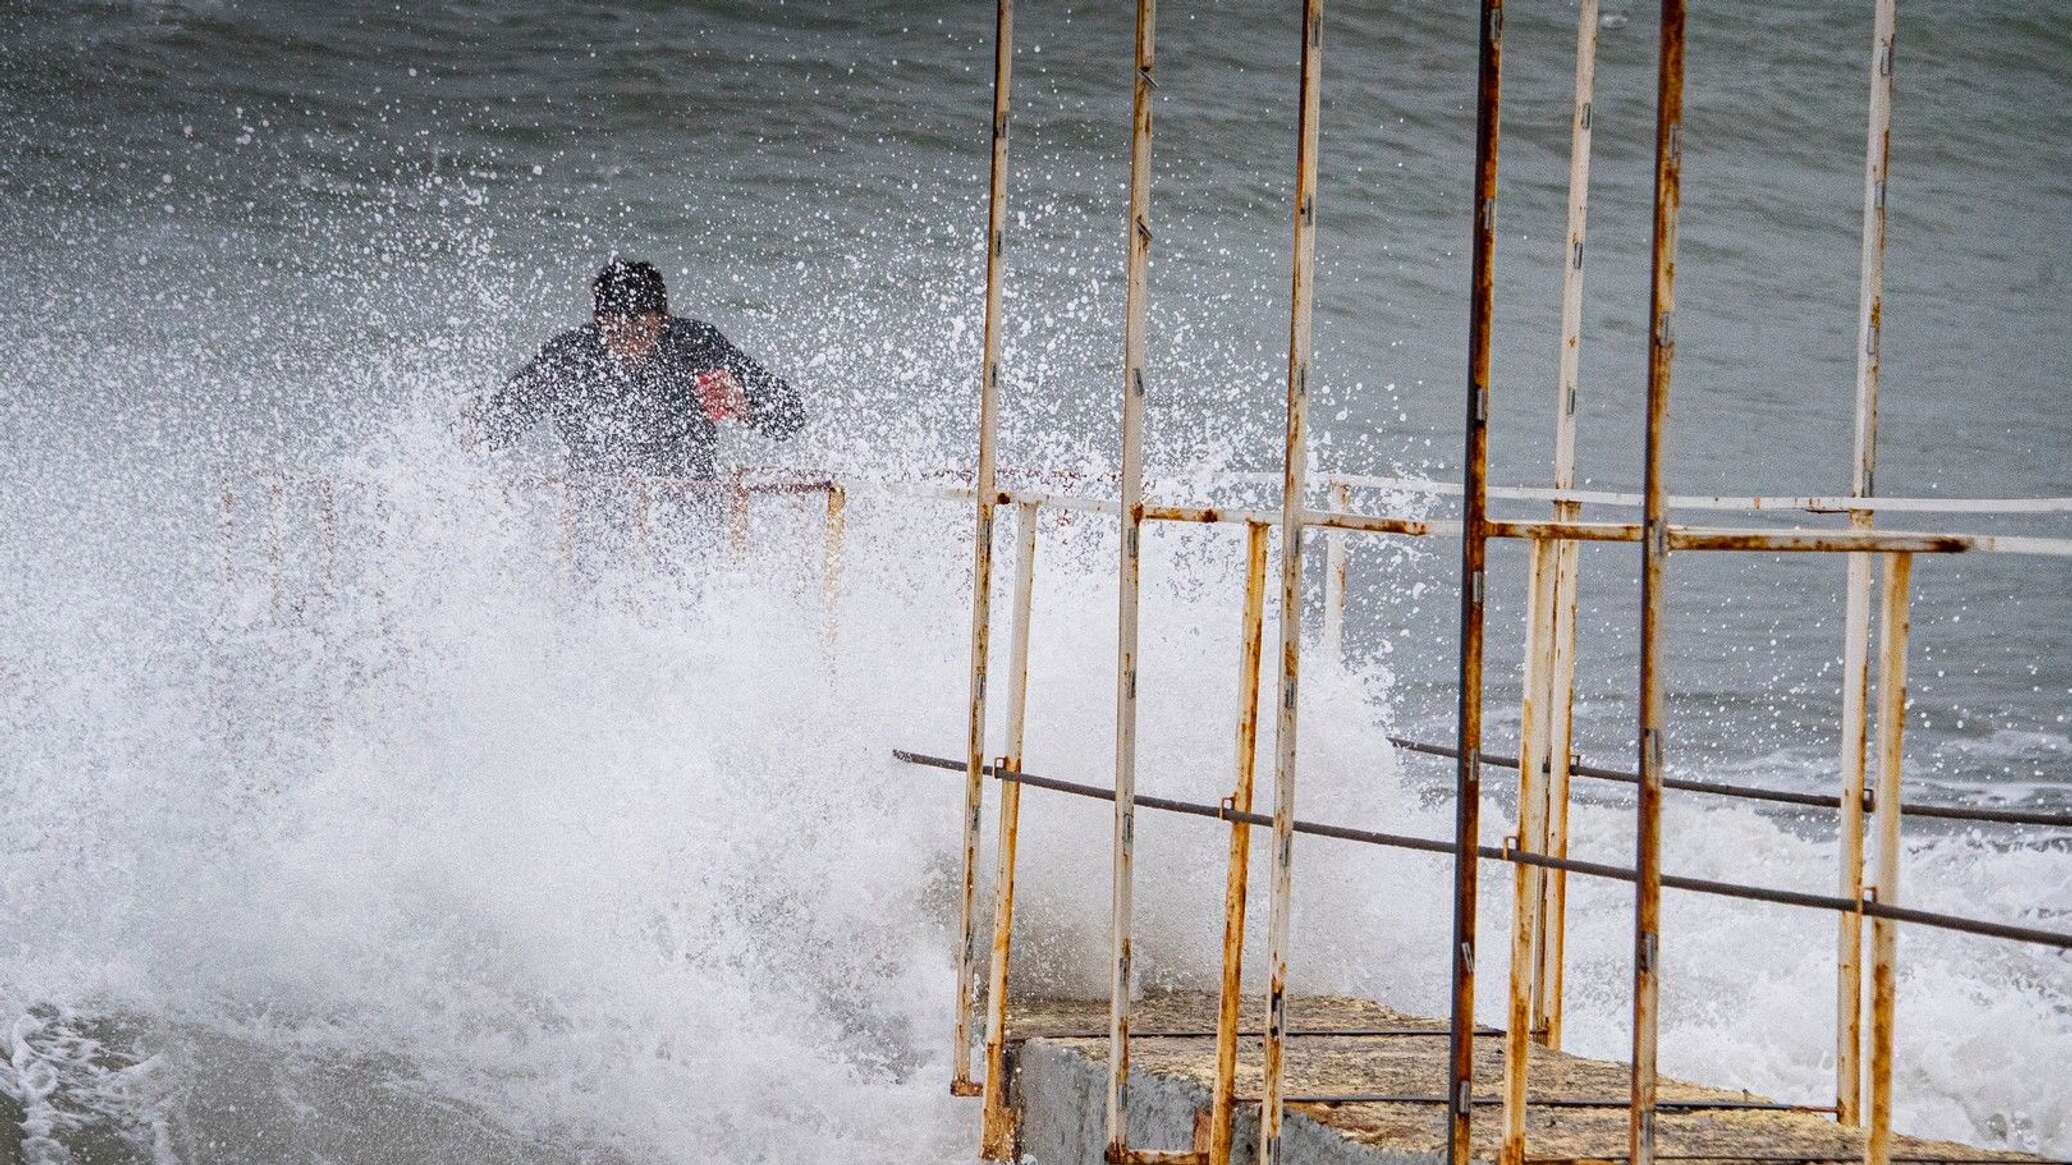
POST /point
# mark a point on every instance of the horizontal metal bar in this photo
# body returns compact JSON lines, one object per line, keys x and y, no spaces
{"x":1812,"y":1159}
{"x":1509,"y":854}
{"x":1163,"y":1156}
{"x":1255,"y":1033}
{"x":1566,"y":531}
{"x":1811,"y":505}
{"x":1207,"y":515}
{"x":1753,"y":793}
{"x":1680,"y":537}
{"x":1832,"y":541}
{"x":1723,"y":1105}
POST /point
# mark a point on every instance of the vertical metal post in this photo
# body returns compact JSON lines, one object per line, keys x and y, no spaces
{"x":275,"y":518}
{"x":226,"y":538}
{"x":737,"y":515}
{"x":1856,"y":676}
{"x":1892,"y":714}
{"x":568,"y":529}
{"x":1293,"y":487}
{"x":1654,"y":604}
{"x":327,"y":536}
{"x":1137,"y":272}
{"x":1474,"y":548}
{"x":982,"y":549}
{"x":831,"y":562}
{"x":1560,"y":693}
{"x":1335,"y":575}
{"x":643,"y":513}
{"x":1251,"y":637}
{"x":996,"y":1142}
{"x":1528,"y":881}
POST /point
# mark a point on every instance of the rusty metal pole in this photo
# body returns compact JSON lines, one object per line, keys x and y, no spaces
{"x":1654,"y":603}
{"x":1294,"y":484}
{"x":737,"y":516}
{"x":1892,"y":713}
{"x":831,"y":562}
{"x":276,"y":506}
{"x":996,"y":1142}
{"x":1856,"y":675}
{"x":1137,"y":274}
{"x":327,"y":536}
{"x":643,"y":510}
{"x":226,"y":538}
{"x":1251,"y":636}
{"x":1560,"y":692}
{"x":1335,"y":574}
{"x":982,"y":550}
{"x":1528,"y":881}
{"x":1474,"y":548}
{"x":568,"y":530}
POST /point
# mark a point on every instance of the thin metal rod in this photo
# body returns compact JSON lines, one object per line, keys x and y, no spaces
{"x":226,"y":536}
{"x":1335,"y":575}
{"x":1294,"y":475}
{"x":1849,"y":927}
{"x":982,"y":544}
{"x":1551,"y":929}
{"x":1753,"y":793}
{"x":1803,"y":1159}
{"x":1251,"y":635}
{"x":831,"y":562}
{"x":1816,"y":505}
{"x":1562,"y":1102}
{"x":1680,"y":537}
{"x":276,"y":518}
{"x":1256,"y":1033}
{"x":1550,"y":962}
{"x":1856,"y":677}
{"x":1528,"y":882}
{"x":1474,"y":550}
{"x":1788,"y":541}
{"x":737,"y":515}
{"x":1138,"y":246}
{"x":2062,"y":941}
{"x":996,"y":1139}
{"x":1892,"y":719}
{"x":1912,"y":541}
{"x":1654,"y":603}
{"x":1329,"y":519}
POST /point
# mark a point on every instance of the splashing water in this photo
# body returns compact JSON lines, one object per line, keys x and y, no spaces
{"x":399,"y":837}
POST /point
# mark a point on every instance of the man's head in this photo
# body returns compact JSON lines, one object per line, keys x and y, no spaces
{"x":630,"y":307}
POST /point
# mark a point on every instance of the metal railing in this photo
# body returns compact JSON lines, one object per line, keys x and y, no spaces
{"x":645,"y":493}
{"x":1537,"y":849}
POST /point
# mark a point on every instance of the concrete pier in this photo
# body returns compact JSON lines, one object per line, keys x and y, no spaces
{"x":1059,"y":1079}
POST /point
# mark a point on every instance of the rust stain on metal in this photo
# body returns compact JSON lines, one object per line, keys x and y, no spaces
{"x":1251,"y":647}
{"x":1654,"y":580}
{"x":1294,"y":476}
{"x":1474,"y":548}
{"x":997,"y":1138}
{"x":1894,"y":624}
{"x":982,"y":546}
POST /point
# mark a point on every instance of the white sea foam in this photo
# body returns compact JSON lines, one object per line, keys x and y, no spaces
{"x":627,"y":863}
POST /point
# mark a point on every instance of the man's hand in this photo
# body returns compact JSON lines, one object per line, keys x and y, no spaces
{"x":721,"y":395}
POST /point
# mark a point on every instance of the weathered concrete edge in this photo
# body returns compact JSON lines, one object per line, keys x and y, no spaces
{"x":1062,"y":1095}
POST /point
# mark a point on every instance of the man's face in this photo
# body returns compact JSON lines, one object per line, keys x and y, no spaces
{"x":631,"y":339}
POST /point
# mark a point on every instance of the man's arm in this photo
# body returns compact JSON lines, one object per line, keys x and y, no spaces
{"x":521,"y":400}
{"x":774,"y":407}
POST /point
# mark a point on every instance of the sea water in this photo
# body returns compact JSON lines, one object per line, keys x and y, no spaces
{"x":351,"y":817}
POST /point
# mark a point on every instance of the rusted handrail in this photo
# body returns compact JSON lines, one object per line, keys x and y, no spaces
{"x":1757,"y":793}
{"x":1831,"y":902}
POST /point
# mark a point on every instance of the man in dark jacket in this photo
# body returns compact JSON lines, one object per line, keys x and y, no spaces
{"x":637,"y":390}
